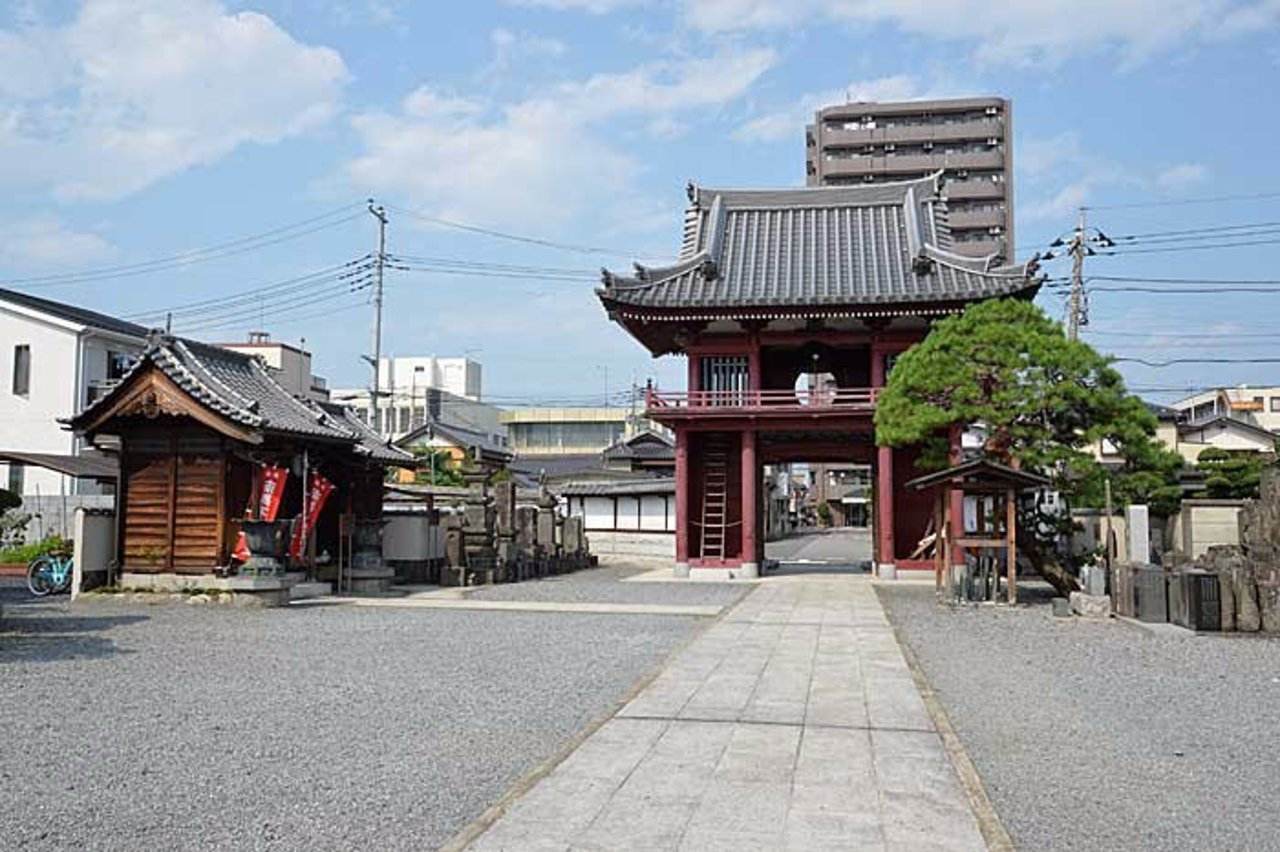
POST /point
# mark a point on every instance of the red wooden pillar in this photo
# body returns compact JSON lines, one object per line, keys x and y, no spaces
{"x":884,"y":473}
{"x":750,"y":505}
{"x":682,"y":502}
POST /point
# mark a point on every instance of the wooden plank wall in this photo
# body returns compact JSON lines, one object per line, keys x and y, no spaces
{"x":174,"y":499}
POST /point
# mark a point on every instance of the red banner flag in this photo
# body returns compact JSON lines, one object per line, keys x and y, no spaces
{"x":270,"y":490}
{"x":319,"y":492}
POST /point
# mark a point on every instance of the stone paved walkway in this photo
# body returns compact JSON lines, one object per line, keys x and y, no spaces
{"x":792,"y":723}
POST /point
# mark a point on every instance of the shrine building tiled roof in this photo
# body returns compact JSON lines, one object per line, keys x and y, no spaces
{"x":846,"y":246}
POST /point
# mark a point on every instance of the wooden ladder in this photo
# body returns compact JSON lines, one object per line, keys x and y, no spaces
{"x":715,"y":497}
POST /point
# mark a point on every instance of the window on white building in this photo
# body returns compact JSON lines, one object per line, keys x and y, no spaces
{"x":16,"y":472}
{"x":22,"y":370}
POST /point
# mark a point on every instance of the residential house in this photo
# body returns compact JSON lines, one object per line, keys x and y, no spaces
{"x":55,"y":359}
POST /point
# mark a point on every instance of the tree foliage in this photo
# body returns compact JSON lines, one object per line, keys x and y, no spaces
{"x":440,"y":468}
{"x":1042,"y":400}
{"x":1232,"y":475}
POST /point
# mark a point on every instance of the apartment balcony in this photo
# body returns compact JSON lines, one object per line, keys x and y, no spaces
{"x":957,"y":132}
{"x":760,"y":404}
{"x":973,"y":190}
{"x":911,"y":163}
{"x":971,"y":219}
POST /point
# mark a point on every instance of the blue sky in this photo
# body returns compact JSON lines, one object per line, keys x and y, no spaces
{"x":131,"y":130}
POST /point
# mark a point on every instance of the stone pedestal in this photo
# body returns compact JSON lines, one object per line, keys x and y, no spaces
{"x":1138,"y":534}
{"x":368,"y":573}
{"x":266,"y":547}
{"x":1091,"y":606}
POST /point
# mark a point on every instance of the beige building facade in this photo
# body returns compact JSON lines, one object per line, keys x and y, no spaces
{"x":970,"y":140}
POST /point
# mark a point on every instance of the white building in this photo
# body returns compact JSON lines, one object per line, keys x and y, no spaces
{"x":54,"y":360}
{"x":417,"y":389}
{"x":1255,"y":406}
{"x":290,"y":365}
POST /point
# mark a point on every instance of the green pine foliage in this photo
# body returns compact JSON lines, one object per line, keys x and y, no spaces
{"x":1232,"y":475}
{"x":1043,"y":400}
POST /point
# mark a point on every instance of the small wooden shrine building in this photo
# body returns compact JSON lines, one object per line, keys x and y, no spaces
{"x":771,"y":285}
{"x":994,"y":488}
{"x":194,"y":427}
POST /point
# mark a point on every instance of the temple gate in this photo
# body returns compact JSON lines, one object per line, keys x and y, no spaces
{"x":771,"y":285}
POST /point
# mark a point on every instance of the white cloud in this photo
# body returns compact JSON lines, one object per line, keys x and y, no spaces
{"x":1059,"y":175}
{"x":789,"y":122}
{"x":44,"y":242}
{"x":548,"y":160}
{"x":1181,"y":176}
{"x":130,"y":92}
{"x":595,"y":7}
{"x":1012,"y":31}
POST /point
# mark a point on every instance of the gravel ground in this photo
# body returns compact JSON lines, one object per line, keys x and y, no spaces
{"x":133,"y":725}
{"x":1103,"y":736}
{"x":600,"y":585}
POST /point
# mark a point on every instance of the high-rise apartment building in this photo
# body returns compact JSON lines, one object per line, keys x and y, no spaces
{"x":970,"y":139}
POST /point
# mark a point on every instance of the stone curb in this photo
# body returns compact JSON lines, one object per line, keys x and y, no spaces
{"x":697,"y":611}
{"x":993,"y":831}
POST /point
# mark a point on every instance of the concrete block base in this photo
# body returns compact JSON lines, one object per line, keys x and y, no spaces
{"x":681,"y":570}
{"x":887,"y":571}
{"x":249,"y":591}
{"x":1091,"y":606}
{"x":371,"y":581}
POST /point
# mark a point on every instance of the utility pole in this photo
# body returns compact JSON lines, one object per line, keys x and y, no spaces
{"x":1077,"y":250}
{"x":380,"y":213}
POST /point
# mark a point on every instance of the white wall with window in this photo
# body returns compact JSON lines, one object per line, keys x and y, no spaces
{"x":49,"y":367}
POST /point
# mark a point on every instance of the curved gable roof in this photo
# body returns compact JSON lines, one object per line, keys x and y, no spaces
{"x":873,"y":244}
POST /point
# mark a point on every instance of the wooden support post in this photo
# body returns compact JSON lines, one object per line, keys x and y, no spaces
{"x":1011,"y":533}
{"x":682,"y":500}
{"x":940,"y":540}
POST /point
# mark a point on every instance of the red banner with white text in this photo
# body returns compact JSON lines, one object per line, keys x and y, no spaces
{"x":270,"y":490}
{"x":317,"y":494}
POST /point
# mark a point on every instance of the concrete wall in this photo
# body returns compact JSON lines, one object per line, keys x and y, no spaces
{"x":1204,"y":523}
{"x":647,"y":512}
{"x":55,"y":514}
{"x":638,"y":544}
{"x":95,"y":547}
{"x":1093,"y":535}
{"x":411,"y":537}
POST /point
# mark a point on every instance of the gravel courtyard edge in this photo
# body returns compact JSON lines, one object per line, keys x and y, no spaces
{"x":993,"y":831}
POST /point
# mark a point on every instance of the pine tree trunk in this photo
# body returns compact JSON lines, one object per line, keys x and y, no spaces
{"x":1062,"y":580}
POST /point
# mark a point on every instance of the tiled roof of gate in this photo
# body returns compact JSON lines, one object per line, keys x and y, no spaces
{"x":872,"y":244}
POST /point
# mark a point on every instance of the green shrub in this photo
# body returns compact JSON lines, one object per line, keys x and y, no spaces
{"x":27,"y":552}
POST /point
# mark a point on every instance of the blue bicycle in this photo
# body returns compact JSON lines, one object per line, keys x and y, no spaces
{"x":50,"y":574}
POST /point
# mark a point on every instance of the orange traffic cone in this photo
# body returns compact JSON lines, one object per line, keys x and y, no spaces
{"x":241,"y":552}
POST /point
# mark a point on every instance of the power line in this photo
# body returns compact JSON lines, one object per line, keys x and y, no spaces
{"x":1206,"y":229}
{"x":1199,"y":247}
{"x":504,"y":235}
{"x":1219,"y":199}
{"x":350,"y":268}
{"x":1178,"y":361}
{"x":1144,"y":280}
{"x":1166,"y":291}
{"x":219,"y":251}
